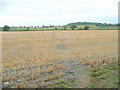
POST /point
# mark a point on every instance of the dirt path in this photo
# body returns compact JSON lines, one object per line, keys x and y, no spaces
{"x":74,"y":73}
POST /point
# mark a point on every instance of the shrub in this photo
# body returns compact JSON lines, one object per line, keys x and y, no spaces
{"x":86,"y":27}
{"x":73,"y":27}
{"x":56,"y":28}
{"x":6,"y":28}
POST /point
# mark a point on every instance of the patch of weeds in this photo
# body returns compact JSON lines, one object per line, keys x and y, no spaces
{"x":118,"y":80}
{"x":59,"y":84}
{"x":99,"y":72}
{"x":72,"y":82}
{"x":104,"y":77}
{"x":90,"y":86}
{"x":95,"y":70}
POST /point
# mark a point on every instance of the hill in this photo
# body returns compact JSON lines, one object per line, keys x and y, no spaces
{"x":91,"y":23}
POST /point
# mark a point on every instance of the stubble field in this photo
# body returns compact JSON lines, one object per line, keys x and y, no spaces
{"x":55,"y":58}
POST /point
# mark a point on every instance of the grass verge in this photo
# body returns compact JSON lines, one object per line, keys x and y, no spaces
{"x":104,"y":77}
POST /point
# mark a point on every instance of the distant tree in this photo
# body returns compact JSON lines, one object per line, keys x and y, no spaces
{"x":28,"y":28}
{"x":109,"y":24}
{"x":6,"y":28}
{"x":73,"y":27}
{"x":97,"y":24}
{"x":86,"y":27}
{"x":43,"y":26}
{"x":51,"y":26}
{"x":34,"y":27}
{"x":12,"y":27}
{"x":56,"y":28}
{"x":20,"y":27}
{"x":64,"y":27}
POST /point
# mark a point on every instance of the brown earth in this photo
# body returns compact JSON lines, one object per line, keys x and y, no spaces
{"x":40,"y":58}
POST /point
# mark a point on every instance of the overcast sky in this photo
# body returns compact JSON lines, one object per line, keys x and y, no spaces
{"x":57,"y":12}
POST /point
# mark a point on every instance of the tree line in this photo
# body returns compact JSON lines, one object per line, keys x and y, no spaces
{"x":72,"y":27}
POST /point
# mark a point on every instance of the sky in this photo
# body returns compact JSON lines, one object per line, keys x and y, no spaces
{"x":57,"y":12}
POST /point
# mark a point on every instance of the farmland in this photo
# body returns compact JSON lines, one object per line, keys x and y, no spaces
{"x":59,"y":58}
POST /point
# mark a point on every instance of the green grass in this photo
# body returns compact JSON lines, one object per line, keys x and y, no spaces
{"x":104,"y":77}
